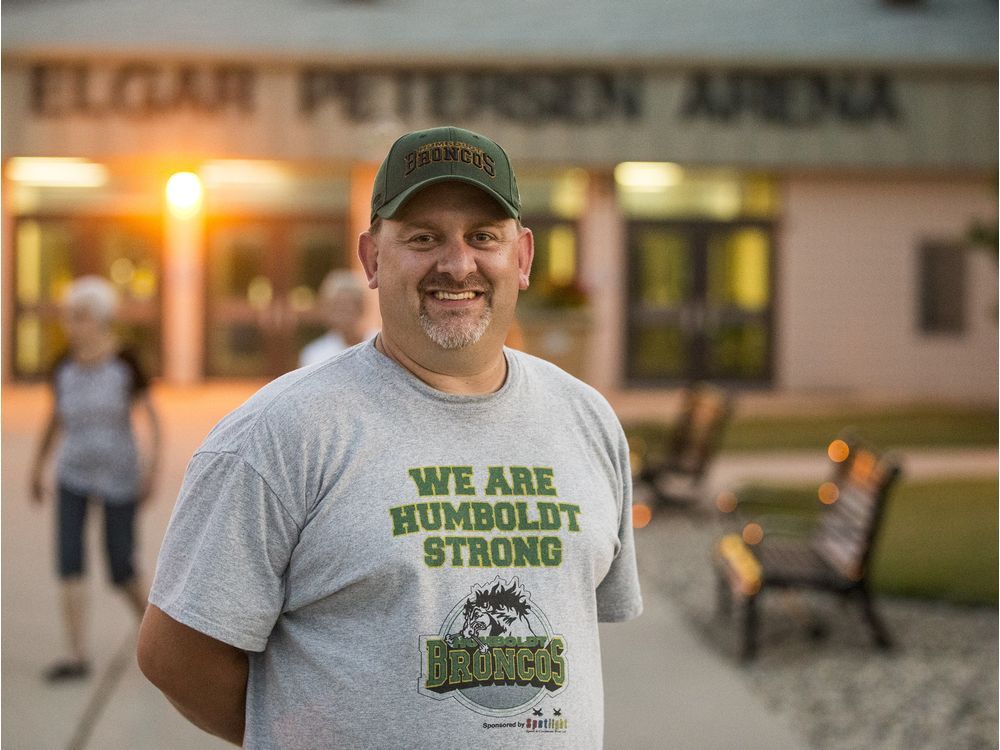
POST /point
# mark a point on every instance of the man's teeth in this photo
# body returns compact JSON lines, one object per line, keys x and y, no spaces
{"x":455,"y":295}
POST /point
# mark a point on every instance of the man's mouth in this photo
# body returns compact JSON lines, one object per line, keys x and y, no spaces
{"x":442,"y":295}
{"x":442,"y":288}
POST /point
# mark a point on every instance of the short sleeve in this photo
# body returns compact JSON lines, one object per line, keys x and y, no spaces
{"x":140,"y":382}
{"x":618,"y":594}
{"x":53,"y":374}
{"x":223,"y":560}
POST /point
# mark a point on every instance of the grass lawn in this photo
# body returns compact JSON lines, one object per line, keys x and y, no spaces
{"x":924,"y":427}
{"x":938,"y":539}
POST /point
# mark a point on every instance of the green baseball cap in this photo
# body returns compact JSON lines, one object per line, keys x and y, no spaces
{"x":426,"y":157}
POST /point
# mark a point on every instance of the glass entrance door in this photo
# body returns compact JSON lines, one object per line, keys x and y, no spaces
{"x":50,"y":251}
{"x":263,"y":276}
{"x":700,"y":302}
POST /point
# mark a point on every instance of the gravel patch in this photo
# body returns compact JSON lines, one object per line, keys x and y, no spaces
{"x":936,"y":689}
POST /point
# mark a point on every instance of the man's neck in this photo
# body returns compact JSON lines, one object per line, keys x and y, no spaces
{"x":460,"y":377}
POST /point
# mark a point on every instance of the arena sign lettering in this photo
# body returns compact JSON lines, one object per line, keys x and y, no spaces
{"x":528,"y":97}
{"x":143,"y":88}
{"x":137,"y":89}
{"x":791,"y":99}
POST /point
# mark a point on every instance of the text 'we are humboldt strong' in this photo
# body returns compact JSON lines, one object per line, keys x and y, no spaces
{"x":457,"y":527}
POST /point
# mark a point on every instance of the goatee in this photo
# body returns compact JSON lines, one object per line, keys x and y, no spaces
{"x":456,"y":330}
{"x":459,"y":328}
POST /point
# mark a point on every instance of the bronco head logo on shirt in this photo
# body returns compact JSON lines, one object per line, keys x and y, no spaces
{"x":495,"y":653}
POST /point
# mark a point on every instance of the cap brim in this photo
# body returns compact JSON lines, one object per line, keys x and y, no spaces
{"x":388,"y":210}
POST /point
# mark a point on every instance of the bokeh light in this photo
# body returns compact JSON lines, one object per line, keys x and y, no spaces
{"x":726,"y":502}
{"x":753,"y":533}
{"x":642,"y":514}
{"x":838,"y":451}
{"x":828,"y":493}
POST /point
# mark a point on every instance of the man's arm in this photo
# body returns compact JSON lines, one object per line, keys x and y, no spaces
{"x":205,"y":679}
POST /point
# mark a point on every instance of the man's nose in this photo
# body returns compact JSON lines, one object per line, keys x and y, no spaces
{"x":457,"y":259}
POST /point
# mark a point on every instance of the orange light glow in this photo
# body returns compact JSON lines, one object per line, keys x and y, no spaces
{"x":641,"y":515}
{"x":828,"y":493}
{"x":726,"y":502}
{"x":184,"y":194}
{"x":838,"y":451}
{"x":753,"y":533}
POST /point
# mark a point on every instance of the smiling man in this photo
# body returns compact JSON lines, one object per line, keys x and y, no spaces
{"x":448,"y":254}
{"x":343,"y":539}
{"x":448,"y":269}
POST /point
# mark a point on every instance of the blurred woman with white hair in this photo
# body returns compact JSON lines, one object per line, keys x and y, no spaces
{"x":98,"y":387}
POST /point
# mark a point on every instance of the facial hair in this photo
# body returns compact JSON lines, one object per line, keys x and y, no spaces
{"x":458,"y":329}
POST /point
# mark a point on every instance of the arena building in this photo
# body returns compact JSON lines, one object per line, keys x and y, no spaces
{"x":779,"y":196}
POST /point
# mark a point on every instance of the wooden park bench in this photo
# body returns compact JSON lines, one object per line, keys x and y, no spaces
{"x":833,"y":557}
{"x":676,"y":476}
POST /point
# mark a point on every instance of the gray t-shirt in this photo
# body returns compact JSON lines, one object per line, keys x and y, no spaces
{"x":409,"y":568}
{"x":98,"y":453}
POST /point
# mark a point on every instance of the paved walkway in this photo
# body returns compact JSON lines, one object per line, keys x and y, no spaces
{"x":665,"y":687}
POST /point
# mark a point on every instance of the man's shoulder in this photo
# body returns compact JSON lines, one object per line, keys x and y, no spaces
{"x":561,"y":385}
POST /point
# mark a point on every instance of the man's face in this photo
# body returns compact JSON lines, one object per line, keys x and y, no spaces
{"x":448,"y":268}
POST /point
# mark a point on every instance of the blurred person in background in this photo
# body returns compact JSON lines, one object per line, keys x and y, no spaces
{"x":303,"y":597}
{"x":98,"y":388}
{"x":341,"y":303}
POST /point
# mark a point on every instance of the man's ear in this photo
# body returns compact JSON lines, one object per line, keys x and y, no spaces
{"x":368,"y":254}
{"x":525,"y":254}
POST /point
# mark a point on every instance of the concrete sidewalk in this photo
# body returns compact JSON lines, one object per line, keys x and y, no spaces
{"x":665,"y":688}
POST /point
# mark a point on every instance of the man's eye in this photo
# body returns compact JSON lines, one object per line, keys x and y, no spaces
{"x":482,"y":237}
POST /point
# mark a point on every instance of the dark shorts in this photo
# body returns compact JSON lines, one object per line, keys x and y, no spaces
{"x":119,"y":536}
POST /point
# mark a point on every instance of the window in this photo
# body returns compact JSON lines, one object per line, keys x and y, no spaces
{"x":667,"y":191}
{"x":72,"y":217}
{"x":551,"y":205}
{"x":263,"y":275}
{"x":51,"y":251}
{"x":701,"y":253}
{"x":942,"y":288}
